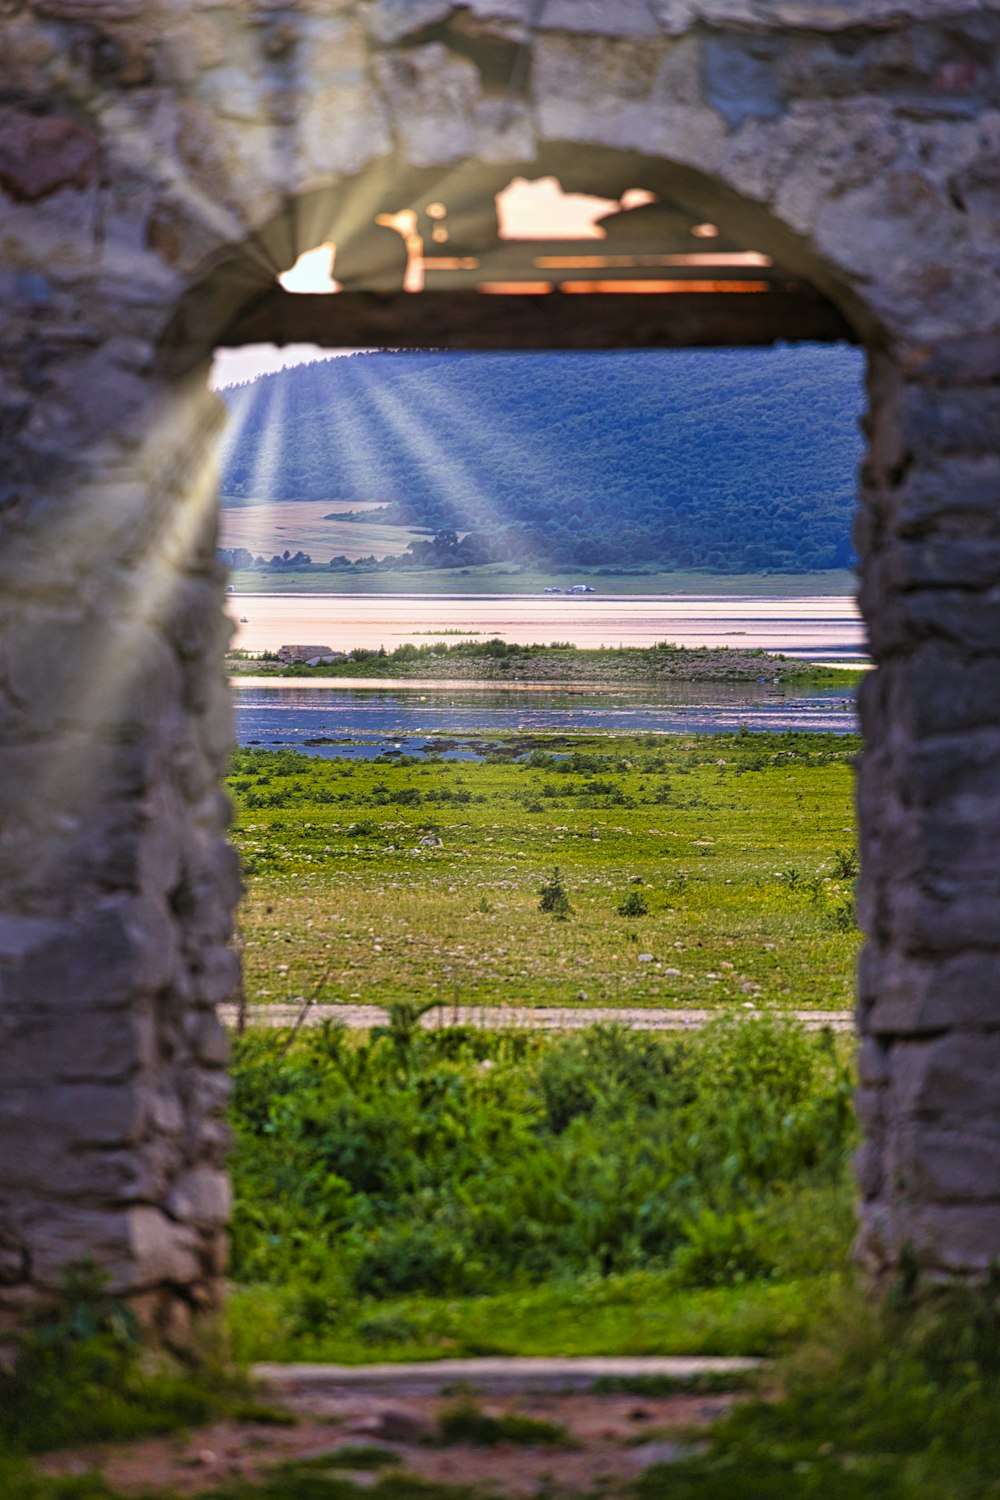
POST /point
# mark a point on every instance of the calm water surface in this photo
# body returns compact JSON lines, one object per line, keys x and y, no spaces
{"x":820,"y":628}
{"x":366,"y":722}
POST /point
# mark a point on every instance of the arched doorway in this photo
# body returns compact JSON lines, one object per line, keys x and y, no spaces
{"x":118,"y":882}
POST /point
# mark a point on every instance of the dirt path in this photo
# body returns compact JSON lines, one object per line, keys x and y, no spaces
{"x":339,"y":1415}
{"x":524,"y":1018}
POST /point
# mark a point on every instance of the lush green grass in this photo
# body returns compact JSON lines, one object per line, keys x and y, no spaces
{"x":507,"y":578}
{"x":421,"y":1193}
{"x":739,"y":847}
{"x":635,"y":1313}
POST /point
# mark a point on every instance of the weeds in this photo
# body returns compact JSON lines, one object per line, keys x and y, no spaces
{"x":465,"y":1421}
{"x":78,"y":1374}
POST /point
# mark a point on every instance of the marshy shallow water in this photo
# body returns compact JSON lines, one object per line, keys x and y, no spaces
{"x":351,"y":721}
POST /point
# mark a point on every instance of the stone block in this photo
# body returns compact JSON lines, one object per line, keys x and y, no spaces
{"x":45,"y":1167}
{"x":941,"y":1165}
{"x":873,"y":1064}
{"x":219,"y":977}
{"x":209,"y":1041}
{"x":868,"y":1171}
{"x":432,"y":96}
{"x":958,"y":491}
{"x":943,"y":921}
{"x":41,"y":154}
{"x":869,"y":1106}
{"x":97,"y":1047}
{"x":741,"y":79}
{"x":202,"y":1197}
{"x":950,"y":1239}
{"x":160,"y":1250}
{"x":913,"y":995}
{"x":92,"y":963}
{"x":137,"y":1247}
{"x":390,"y":21}
{"x":959,"y":420}
{"x":77,"y":1115}
{"x":939,"y":689}
{"x":950,"y":1078}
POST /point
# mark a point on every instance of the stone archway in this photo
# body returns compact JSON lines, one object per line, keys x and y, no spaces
{"x":159,"y":160}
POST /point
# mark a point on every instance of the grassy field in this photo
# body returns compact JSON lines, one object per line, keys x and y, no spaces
{"x":698,"y":872}
{"x":308,"y":526}
{"x":506,"y":578}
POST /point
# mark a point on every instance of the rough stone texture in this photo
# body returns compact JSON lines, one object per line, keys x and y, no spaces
{"x":160,"y":162}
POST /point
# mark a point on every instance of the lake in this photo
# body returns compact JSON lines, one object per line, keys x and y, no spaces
{"x":822,"y":628}
{"x":393,"y":719}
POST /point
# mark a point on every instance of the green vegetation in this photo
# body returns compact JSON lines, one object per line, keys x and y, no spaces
{"x":386,"y":1184}
{"x":891,"y":1403}
{"x":77,"y":1373}
{"x":739,"y":846}
{"x":560,"y":663}
{"x":661,"y":445}
{"x":464,"y":1421}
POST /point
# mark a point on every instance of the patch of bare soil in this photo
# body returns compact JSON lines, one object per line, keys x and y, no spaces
{"x":609,"y":1438}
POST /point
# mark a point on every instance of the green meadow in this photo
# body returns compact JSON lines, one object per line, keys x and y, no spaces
{"x":510,"y":578}
{"x":697,"y":872}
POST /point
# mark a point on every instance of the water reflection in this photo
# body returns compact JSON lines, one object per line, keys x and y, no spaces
{"x":368,"y":722}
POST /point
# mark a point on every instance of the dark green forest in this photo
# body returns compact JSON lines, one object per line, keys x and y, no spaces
{"x":730,"y":461}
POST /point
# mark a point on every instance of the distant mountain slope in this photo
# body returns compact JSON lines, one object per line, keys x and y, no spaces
{"x":730,"y":460}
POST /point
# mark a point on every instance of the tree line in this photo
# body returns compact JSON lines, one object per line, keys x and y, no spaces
{"x":728,"y":460}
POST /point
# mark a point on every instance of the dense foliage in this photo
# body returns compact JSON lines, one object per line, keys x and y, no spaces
{"x":456,"y":1162}
{"x":731,"y":461}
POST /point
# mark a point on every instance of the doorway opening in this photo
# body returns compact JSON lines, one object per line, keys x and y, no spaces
{"x":404,"y":1193}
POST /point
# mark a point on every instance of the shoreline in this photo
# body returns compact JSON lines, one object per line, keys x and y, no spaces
{"x":438,"y":684}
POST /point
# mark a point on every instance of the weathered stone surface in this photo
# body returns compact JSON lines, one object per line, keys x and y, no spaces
{"x":39,"y":154}
{"x":160,"y":161}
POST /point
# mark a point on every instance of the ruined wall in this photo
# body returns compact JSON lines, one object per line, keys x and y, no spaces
{"x":158,"y":155}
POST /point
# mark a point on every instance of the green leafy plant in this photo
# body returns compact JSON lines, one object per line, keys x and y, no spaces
{"x":554,"y":898}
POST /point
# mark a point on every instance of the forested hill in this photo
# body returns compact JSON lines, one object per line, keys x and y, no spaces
{"x":729,"y":461}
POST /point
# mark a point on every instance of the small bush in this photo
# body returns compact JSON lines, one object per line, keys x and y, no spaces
{"x":846,"y":864}
{"x":464,"y":1421}
{"x":554,"y":898}
{"x":633,"y":905}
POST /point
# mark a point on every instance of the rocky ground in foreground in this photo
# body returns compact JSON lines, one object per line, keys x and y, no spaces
{"x":512,"y":1446}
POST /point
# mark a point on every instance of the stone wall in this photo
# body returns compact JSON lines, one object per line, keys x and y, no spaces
{"x":160,"y":162}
